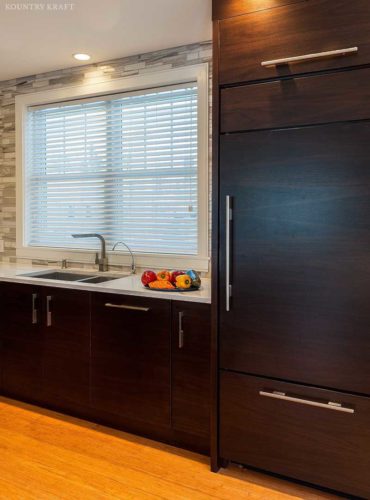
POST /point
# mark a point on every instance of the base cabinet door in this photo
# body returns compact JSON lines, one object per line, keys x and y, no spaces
{"x":66,"y":349}
{"x":130,"y":366}
{"x":21,"y":341}
{"x":314,"y":435}
{"x":191,"y":369}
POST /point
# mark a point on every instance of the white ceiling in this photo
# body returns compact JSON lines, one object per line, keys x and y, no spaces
{"x":41,"y":40}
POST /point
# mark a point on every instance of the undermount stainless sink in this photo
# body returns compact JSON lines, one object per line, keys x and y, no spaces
{"x":57,"y":275}
{"x":100,"y":279}
{"x":69,"y":276}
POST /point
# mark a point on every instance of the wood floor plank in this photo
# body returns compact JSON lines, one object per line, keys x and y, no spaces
{"x":10,"y":491}
{"x":99,"y":474}
{"x":49,"y":456}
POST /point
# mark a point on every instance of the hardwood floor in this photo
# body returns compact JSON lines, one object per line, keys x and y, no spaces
{"x":45,"y":455}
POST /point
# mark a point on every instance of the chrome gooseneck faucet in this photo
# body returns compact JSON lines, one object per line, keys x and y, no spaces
{"x":133,"y":265}
{"x":102,"y":261}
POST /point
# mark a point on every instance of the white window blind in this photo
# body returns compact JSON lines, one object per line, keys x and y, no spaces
{"x":124,"y":166}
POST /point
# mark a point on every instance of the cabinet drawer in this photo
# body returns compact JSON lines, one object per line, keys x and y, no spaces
{"x":296,"y":431}
{"x":309,"y":27}
{"x":297,"y":101}
{"x":223,"y":9}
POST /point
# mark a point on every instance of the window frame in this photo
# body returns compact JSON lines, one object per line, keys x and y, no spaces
{"x":196,"y":73}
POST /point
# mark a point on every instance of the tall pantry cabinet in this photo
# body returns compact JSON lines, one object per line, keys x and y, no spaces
{"x":291,"y":338}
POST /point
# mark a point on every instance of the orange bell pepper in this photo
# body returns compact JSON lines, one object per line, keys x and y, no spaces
{"x":161,"y":284}
{"x":164,"y":275}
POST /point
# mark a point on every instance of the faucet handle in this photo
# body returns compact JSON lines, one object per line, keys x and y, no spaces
{"x":97,"y":258}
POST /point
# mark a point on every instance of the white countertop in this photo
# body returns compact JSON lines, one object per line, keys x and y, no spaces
{"x":126,"y":285}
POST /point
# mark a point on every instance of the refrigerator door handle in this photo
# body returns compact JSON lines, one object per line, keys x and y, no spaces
{"x":229,"y":218}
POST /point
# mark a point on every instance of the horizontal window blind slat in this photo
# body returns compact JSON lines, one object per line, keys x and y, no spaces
{"x":125,"y":167}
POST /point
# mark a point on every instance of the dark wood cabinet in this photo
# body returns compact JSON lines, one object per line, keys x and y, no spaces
{"x":301,"y":28}
{"x":66,"y":347}
{"x":310,"y":434}
{"x":299,"y":251}
{"x":130,"y":364}
{"x":21,"y":341}
{"x":107,"y":357}
{"x":290,"y":342}
{"x":311,"y":100}
{"x":191,"y":369}
{"x":225,"y":9}
{"x":45,"y":337}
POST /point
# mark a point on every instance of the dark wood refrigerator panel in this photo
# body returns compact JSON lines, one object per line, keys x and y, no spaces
{"x":225,"y":9}
{"x":311,"y":434}
{"x":294,"y":102}
{"x":300,"y":255}
{"x":331,"y":34}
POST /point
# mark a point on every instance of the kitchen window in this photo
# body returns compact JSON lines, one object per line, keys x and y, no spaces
{"x":130,"y":165}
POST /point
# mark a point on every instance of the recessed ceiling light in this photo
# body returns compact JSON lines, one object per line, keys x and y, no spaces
{"x":81,"y":57}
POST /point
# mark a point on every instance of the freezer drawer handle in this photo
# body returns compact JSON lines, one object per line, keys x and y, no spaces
{"x":130,"y":308}
{"x":307,"y":57}
{"x":330,"y":405}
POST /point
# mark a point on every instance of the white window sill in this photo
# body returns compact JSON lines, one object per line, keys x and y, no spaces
{"x":117,"y":258}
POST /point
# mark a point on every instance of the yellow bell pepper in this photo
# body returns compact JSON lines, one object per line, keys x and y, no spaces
{"x":183,"y":281}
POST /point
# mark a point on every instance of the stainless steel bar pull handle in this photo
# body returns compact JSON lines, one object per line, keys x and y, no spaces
{"x":34,"y":309}
{"x":130,"y":308}
{"x":229,"y":217}
{"x":330,"y":405}
{"x":307,"y":57}
{"x":181,"y":331}
{"x":48,"y":310}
